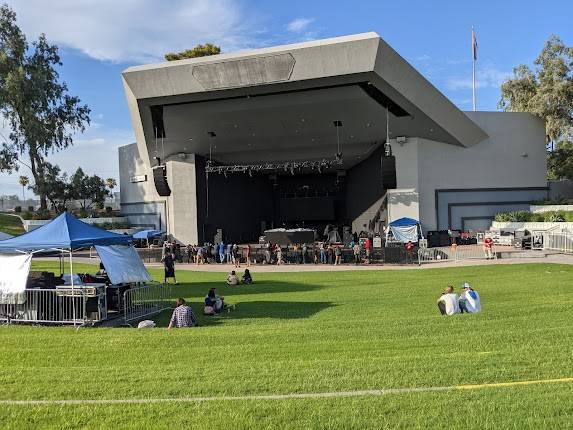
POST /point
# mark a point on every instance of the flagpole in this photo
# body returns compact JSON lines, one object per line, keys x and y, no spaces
{"x":473,"y":70}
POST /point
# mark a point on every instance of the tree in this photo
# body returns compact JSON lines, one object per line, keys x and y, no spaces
{"x":546,"y":91}
{"x":88,"y":189}
{"x":111,"y":183}
{"x":560,"y":161}
{"x":24,"y":181}
{"x":40,"y":113}
{"x":197,"y":51}
{"x":55,"y":187}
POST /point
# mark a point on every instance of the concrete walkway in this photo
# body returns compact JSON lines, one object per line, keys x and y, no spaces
{"x":553,"y":258}
{"x":285,"y":268}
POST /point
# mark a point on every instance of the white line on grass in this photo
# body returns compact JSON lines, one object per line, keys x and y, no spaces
{"x":357,"y":393}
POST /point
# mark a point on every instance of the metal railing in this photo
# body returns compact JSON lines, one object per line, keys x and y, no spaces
{"x":560,"y":242}
{"x":455,"y":253}
{"x":145,"y":301}
{"x":61,"y":306}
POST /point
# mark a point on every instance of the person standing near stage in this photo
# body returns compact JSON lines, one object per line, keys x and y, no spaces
{"x":248,"y":255}
{"x":235,"y":255}
{"x":356,"y":251}
{"x":221,"y":252}
{"x":337,"y":255}
{"x":169,"y":266}
{"x":228,"y":253}
{"x":368,"y":249}
{"x":488,"y":248}
{"x":322,"y":253}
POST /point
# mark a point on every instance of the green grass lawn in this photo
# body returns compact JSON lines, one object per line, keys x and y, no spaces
{"x":11,"y":224}
{"x":314,"y":332}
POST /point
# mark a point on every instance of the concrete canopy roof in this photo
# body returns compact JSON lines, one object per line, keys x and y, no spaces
{"x":280,"y":103}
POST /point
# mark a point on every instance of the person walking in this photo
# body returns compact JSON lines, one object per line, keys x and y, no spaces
{"x":221,"y":252}
{"x":235,"y":254}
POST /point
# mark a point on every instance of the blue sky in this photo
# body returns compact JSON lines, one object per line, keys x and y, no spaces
{"x":100,"y":38}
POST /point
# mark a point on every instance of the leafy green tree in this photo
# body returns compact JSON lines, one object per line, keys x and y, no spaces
{"x":560,"y":161}
{"x":40,"y":113}
{"x":197,"y":51}
{"x":54,"y":186}
{"x":546,"y":91}
{"x":88,"y":190}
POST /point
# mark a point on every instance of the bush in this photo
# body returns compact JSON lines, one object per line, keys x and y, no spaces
{"x":30,"y":208}
{"x":27,"y":215}
{"x":42,"y":214}
{"x":108,"y":209}
{"x":524,"y":216}
{"x":18,"y":209}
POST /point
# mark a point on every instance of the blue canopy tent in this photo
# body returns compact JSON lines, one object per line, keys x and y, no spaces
{"x":405,"y":230}
{"x":64,"y":233}
{"x":148,"y":234}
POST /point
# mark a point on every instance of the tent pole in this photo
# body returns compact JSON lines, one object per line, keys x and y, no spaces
{"x":73,"y":296}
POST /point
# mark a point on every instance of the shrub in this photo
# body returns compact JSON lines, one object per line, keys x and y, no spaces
{"x":27,"y":215}
{"x":30,"y":208}
{"x":554,"y":217}
{"x":42,"y":214}
{"x":108,"y":209}
{"x":18,"y":209}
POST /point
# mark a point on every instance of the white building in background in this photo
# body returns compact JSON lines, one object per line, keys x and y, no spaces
{"x":306,"y":124}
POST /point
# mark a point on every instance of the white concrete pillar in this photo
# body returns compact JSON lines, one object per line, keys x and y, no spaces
{"x":182,"y":204}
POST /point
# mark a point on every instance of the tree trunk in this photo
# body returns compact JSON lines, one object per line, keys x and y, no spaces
{"x":37,"y":172}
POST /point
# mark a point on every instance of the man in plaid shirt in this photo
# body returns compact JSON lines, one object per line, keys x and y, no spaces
{"x":183,"y":316}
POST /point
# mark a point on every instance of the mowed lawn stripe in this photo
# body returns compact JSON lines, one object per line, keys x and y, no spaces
{"x":356,"y":393}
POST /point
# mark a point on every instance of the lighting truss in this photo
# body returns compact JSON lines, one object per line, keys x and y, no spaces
{"x":286,"y":166}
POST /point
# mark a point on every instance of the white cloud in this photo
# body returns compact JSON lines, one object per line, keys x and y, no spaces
{"x":299,"y":25}
{"x":135,"y":30}
{"x":489,"y":77}
{"x":424,"y":58}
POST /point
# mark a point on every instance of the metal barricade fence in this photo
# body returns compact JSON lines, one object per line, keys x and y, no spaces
{"x":458,"y":253}
{"x":44,"y":306}
{"x":145,"y":301}
{"x":560,"y":242}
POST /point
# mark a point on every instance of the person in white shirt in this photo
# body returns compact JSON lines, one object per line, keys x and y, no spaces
{"x":448,"y":302}
{"x":469,"y":300}
{"x":232,"y":279}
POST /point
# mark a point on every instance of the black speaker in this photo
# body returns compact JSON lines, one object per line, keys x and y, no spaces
{"x":160,"y":180}
{"x":388,"y":170}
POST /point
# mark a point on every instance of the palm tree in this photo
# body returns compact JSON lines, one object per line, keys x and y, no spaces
{"x":24,"y":181}
{"x":111,"y":183}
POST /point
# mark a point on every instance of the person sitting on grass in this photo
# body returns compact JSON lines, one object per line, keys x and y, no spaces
{"x":469,"y":300}
{"x":214,"y":304}
{"x":247,"y":278}
{"x":183,"y":315}
{"x":448,"y":302}
{"x":232,"y":278}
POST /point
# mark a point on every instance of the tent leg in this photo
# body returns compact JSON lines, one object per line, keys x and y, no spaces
{"x":73,"y":295}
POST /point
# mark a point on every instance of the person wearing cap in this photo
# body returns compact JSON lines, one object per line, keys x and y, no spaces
{"x":448,"y":303}
{"x":469,"y":300}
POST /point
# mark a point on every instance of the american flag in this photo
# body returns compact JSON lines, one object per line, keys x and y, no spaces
{"x":474,"y":46}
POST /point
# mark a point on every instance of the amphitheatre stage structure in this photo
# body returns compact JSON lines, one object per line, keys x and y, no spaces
{"x":340,"y":131}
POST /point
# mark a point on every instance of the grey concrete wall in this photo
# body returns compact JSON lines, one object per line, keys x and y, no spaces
{"x":512,"y":157}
